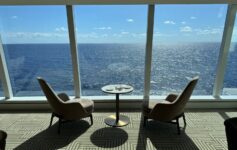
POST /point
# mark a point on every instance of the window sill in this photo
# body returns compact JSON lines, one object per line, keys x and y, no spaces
{"x":122,"y":98}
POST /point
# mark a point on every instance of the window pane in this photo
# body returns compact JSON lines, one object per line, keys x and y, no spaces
{"x":35,"y":41}
{"x":186,"y":44}
{"x":1,"y":90}
{"x":230,"y":80}
{"x":111,"y":46}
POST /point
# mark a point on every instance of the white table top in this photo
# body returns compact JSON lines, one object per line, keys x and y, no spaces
{"x":117,"y":88}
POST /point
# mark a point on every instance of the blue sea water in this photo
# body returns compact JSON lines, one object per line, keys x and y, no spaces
{"x":102,"y":64}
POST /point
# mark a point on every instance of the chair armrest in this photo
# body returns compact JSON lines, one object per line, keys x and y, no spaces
{"x":171,"y":97}
{"x":63,"y":96}
{"x":73,"y":110}
{"x":162,"y":112}
{"x":160,"y":107}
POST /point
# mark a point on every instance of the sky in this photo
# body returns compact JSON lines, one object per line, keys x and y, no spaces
{"x":113,"y":24}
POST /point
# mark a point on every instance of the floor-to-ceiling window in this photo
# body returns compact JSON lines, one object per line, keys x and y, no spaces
{"x":186,"y":43}
{"x":111,"y":49}
{"x":230,"y":80}
{"x":1,"y":90}
{"x":35,"y":42}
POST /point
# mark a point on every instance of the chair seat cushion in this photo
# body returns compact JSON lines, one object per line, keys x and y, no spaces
{"x":147,"y":110}
{"x":87,"y":104}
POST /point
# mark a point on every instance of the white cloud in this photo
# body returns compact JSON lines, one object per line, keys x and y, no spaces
{"x":234,"y":37}
{"x":193,"y":17}
{"x":35,"y":35}
{"x":60,"y":29}
{"x":142,"y":34}
{"x":235,"y":31}
{"x":14,"y":17}
{"x":104,"y":35}
{"x":92,"y":35}
{"x":158,"y":34}
{"x":128,"y":34}
{"x":88,"y":35}
{"x":169,"y":22}
{"x":130,"y":20}
{"x":117,"y":35}
{"x":102,"y":28}
{"x":183,"y":22}
{"x":209,"y":31}
{"x":138,"y":35}
{"x":186,"y":29}
{"x":124,"y":32}
{"x":221,"y":12}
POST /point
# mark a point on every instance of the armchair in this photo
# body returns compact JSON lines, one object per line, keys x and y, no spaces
{"x":172,"y":108}
{"x":64,"y":108}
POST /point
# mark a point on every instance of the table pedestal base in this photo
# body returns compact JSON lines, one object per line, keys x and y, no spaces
{"x":111,"y":121}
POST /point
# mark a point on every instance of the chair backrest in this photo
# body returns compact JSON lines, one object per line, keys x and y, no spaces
{"x":52,"y":98}
{"x":167,"y":112}
{"x":182,"y":99}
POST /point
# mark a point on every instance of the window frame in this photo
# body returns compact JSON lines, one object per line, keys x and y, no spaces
{"x":228,"y":30}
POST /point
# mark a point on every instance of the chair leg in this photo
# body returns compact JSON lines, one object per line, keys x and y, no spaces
{"x":59,"y":124}
{"x":177,"y":121}
{"x":91,"y":117}
{"x":144,"y":121}
{"x":184,"y":120}
{"x":51,"y":120}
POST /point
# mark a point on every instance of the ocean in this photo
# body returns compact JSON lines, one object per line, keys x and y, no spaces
{"x":173,"y":65}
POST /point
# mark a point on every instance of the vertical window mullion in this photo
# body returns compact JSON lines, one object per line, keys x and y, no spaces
{"x":148,"y":56}
{"x":4,"y":75}
{"x":74,"y":51}
{"x":225,"y":45}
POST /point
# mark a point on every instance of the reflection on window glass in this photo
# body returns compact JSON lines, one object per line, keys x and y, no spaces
{"x":1,"y":90}
{"x":35,"y":42}
{"x":111,"y":46}
{"x":230,"y":80}
{"x":186,"y":44}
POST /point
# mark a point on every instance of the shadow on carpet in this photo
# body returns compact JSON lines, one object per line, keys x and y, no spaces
{"x":50,"y":139}
{"x":109,"y":137}
{"x":163,"y":136}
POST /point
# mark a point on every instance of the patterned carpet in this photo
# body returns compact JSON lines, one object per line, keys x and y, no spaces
{"x":204,"y":130}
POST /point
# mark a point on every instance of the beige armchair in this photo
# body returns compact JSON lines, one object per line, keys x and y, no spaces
{"x":64,"y":108}
{"x":172,"y":108}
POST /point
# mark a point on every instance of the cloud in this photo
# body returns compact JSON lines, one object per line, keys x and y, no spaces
{"x":124,"y":32}
{"x":128,"y":34}
{"x":208,"y":31}
{"x":102,"y":28}
{"x":138,"y":35}
{"x":186,"y":29}
{"x":183,"y":22}
{"x":117,"y":35}
{"x":234,"y":37}
{"x":60,"y":29}
{"x":92,"y":35}
{"x":158,"y":34}
{"x":235,"y":31}
{"x":221,"y":12}
{"x":130,"y":20}
{"x":88,"y":35}
{"x":104,"y":35}
{"x":169,"y":22}
{"x":193,"y":17}
{"x":14,"y":17}
{"x":35,"y":35}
